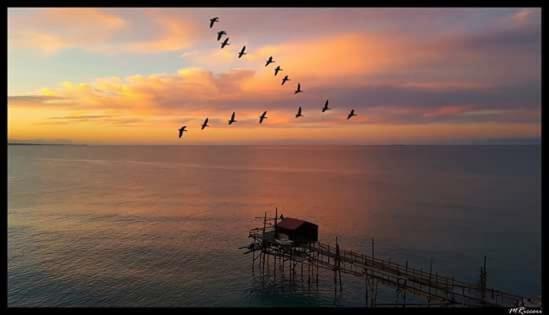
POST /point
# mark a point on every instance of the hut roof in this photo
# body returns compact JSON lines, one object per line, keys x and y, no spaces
{"x":290,"y":223}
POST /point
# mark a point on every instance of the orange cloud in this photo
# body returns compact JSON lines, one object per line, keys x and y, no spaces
{"x":176,"y":35}
{"x":320,"y":59}
{"x":52,"y":30}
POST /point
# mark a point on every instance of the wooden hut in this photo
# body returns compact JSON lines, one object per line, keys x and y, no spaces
{"x":297,"y":230}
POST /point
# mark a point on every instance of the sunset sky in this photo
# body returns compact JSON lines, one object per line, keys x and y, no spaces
{"x":134,"y":76}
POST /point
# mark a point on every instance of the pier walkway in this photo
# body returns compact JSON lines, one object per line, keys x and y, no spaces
{"x":435,"y":289}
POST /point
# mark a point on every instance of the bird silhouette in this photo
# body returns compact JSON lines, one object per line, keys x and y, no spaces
{"x":181,"y":130}
{"x":213,"y":20}
{"x":277,"y":69}
{"x":284,"y":80}
{"x":242,"y":53}
{"x":298,"y":113}
{"x":298,"y":89}
{"x":232,"y":120}
{"x":225,"y":43}
{"x":269,"y":61}
{"x":351,"y":114}
{"x":220,"y":34}
{"x":262,"y":117}
{"x":325,"y":108}
{"x":205,"y":124}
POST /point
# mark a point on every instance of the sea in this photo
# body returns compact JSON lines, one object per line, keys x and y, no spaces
{"x":162,"y":226}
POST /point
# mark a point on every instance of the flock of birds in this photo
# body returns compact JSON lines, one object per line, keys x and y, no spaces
{"x":269,"y":61}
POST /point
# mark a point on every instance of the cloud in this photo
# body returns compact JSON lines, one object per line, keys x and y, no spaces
{"x":194,"y":93}
{"x":51,"y":30}
{"x":81,"y":117}
{"x":527,"y":16}
{"x":100,"y":31}
{"x":38,"y":101}
{"x":472,"y":76}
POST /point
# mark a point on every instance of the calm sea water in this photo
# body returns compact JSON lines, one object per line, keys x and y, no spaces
{"x":161,"y":225}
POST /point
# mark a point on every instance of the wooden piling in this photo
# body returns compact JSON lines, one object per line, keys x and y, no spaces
{"x":430,"y":275}
{"x":366,"y":285}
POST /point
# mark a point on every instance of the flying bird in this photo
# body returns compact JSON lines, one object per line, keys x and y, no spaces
{"x":181,"y":130}
{"x":298,"y":113}
{"x":205,"y":124}
{"x":262,"y":117}
{"x":225,"y":43}
{"x":213,"y":20}
{"x":325,"y":108}
{"x":242,"y":53}
{"x":269,"y":61}
{"x":277,"y":70}
{"x":284,"y":80}
{"x":298,"y":89}
{"x":220,"y":34}
{"x":351,"y":114}
{"x":232,"y":120}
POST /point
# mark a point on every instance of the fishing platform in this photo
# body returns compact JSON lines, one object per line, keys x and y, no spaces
{"x":293,"y":243}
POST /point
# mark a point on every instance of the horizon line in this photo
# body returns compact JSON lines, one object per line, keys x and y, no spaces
{"x":291,"y":144}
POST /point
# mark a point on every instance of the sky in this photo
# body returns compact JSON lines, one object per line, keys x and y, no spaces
{"x":412,"y":75}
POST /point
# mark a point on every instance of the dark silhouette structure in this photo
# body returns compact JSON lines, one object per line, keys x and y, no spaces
{"x":262,"y":117}
{"x":242,"y":52}
{"x":351,"y":114}
{"x":298,"y":113}
{"x":225,"y":43}
{"x":298,"y":230}
{"x":325,"y":108}
{"x":298,"y":89}
{"x":232,"y":120}
{"x":213,"y":20}
{"x":220,"y":34}
{"x":181,"y":130}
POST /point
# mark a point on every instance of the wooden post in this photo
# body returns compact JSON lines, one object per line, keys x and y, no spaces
{"x":373,"y":250}
{"x":309,"y":273}
{"x":263,"y":243}
{"x":375,"y":295}
{"x":335,"y":279}
{"x":290,"y":262}
{"x":253,"y":259}
{"x":483,"y":281}
{"x":264,"y":226}
{"x":317,"y":262}
{"x":366,"y":283}
{"x":294,"y":263}
{"x":264,"y":259}
{"x":274,"y":264}
{"x":338,"y":264}
{"x":404,"y":293}
{"x":276,"y":222}
{"x":430,"y":275}
{"x":405,"y":286}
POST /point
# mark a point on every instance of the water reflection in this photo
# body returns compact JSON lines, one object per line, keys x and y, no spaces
{"x":161,"y":226}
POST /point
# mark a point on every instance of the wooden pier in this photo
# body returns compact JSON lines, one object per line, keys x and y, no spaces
{"x":435,"y":289}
